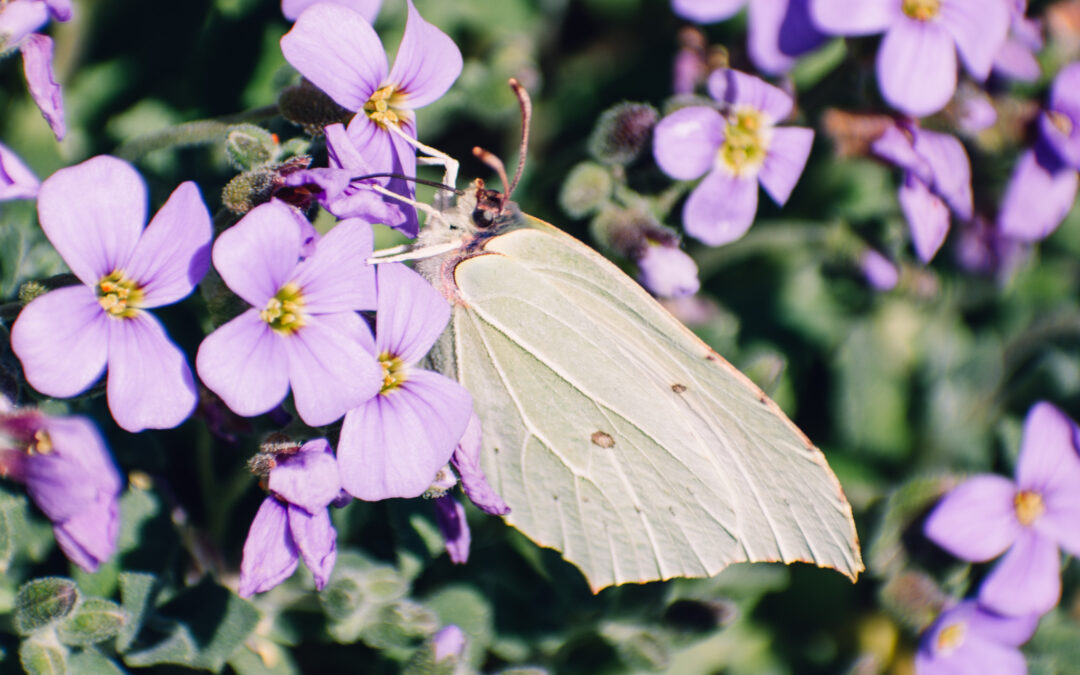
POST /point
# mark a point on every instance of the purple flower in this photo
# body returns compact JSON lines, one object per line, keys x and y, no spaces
{"x":880,"y":272}
{"x":1016,"y":58}
{"x":667,"y":271}
{"x":937,"y":173}
{"x":983,"y":249}
{"x":70,"y":476}
{"x":778,"y":30}
{"x":93,"y":213}
{"x":302,"y":331}
{"x":19,"y":19}
{"x":1060,"y":123}
{"x":1040,"y":193}
{"x":734,"y":149}
{"x":969,"y":639}
{"x":916,"y":63}
{"x":450,"y":517}
{"x":368,"y":9}
{"x":394,"y":444}
{"x":449,"y":642}
{"x":339,"y":52}
{"x":17,"y":181}
{"x":293,"y":521}
{"x":466,"y":461}
{"x":1030,"y":518}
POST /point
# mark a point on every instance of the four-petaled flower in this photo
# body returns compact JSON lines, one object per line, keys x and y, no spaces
{"x":968,"y":638}
{"x":93,"y":213}
{"x":916,"y":63}
{"x":19,"y":19}
{"x":736,"y":148}
{"x":339,"y":52}
{"x":302,"y":330}
{"x":1029,"y":517}
{"x":293,"y":521}
{"x":394,"y":444}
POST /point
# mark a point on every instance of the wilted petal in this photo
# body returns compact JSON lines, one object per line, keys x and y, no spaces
{"x":853,"y":17}
{"x":1027,"y":580}
{"x":393,"y":445}
{"x":721,"y":209}
{"x":927,"y":216}
{"x":93,"y":213}
{"x":685,"y":142}
{"x":411,"y":314}
{"x":739,"y":89}
{"x":18,"y":20}
{"x":258,"y":255}
{"x":339,"y":52}
{"x":149,"y":383}
{"x":979,"y":29}
{"x":62,"y":340}
{"x":270,"y":555}
{"x":466,"y":461}
{"x":89,"y":538}
{"x":329,"y":373}
{"x":37,"y":53}
{"x":667,"y":271}
{"x":309,"y":479}
{"x":976,"y":521}
{"x":245,"y":363}
{"x":778,"y":32}
{"x":336,"y":278}
{"x":450,"y":517}
{"x":784,"y":163}
{"x":426,"y":64}
{"x":173,"y":254}
{"x":1040,"y":194}
{"x":916,"y":67}
{"x":316,"y":539}
{"x":368,"y":9}
{"x":706,"y":11}
{"x":951,"y":169}
{"x":17,"y":181}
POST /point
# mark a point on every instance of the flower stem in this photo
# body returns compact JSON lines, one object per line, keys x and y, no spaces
{"x":199,"y":132}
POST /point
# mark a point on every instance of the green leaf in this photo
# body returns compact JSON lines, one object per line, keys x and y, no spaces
{"x":270,"y":659}
{"x":95,"y":620}
{"x":42,"y":601}
{"x":470,"y":611}
{"x":43,"y":655}
{"x":137,"y":593}
{"x":91,"y":662}
{"x":400,"y":626}
{"x":887,"y":554}
{"x":12,"y":515}
{"x":358,"y":590}
{"x":637,"y":647}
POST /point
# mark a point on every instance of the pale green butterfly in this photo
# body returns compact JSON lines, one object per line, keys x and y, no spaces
{"x":615,"y":435}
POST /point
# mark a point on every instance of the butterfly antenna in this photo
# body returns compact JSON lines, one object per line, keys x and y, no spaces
{"x":526,"y":121}
{"x":421,"y":181}
{"x":495,"y":163}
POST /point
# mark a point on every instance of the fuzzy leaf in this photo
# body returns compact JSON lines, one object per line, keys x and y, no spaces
{"x":95,"y":620}
{"x":43,"y":601}
{"x":43,"y":657}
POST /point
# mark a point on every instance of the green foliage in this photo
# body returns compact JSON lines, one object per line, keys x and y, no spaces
{"x":43,"y":602}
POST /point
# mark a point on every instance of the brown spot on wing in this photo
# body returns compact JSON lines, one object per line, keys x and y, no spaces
{"x":604,"y":440}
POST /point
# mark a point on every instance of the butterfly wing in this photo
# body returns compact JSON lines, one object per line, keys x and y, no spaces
{"x":619,"y":438}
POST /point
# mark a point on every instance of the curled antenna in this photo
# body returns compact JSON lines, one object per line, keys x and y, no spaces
{"x":422,"y":181}
{"x":526,"y":121}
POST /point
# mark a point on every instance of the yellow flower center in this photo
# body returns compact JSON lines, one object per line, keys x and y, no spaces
{"x":951,"y":638}
{"x":285,"y":311}
{"x":394,"y":372}
{"x":42,"y":443}
{"x":118,"y":295}
{"x":384,"y":106}
{"x":1029,"y":506}
{"x":922,"y":10}
{"x":746,"y":142}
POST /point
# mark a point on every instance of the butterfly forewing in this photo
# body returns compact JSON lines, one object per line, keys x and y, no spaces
{"x":620,"y":439}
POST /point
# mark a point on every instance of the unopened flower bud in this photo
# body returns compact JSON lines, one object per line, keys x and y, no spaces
{"x":30,"y":290}
{"x":586,"y":189}
{"x":622,"y":132}
{"x":250,"y":146}
{"x":309,"y":107}
{"x":880,"y":272}
{"x":251,"y":188}
{"x":664,"y":269}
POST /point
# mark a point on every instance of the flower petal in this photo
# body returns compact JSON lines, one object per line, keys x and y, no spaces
{"x":149,"y":383}
{"x":369,"y":148}
{"x":411,"y":314}
{"x":1048,"y":451}
{"x":707,"y":11}
{"x":1040,"y":194}
{"x":979,"y":29}
{"x":667,"y":271}
{"x":80,"y":443}
{"x":897,"y":146}
{"x":466,"y":460}
{"x":329,"y":373}
{"x":393,"y":445}
{"x":270,"y":555}
{"x":368,"y":9}
{"x":245,"y":363}
{"x":316,"y":539}
{"x":18,"y":20}
{"x":37,"y":53}
{"x":173,"y":254}
{"x":976,"y":521}
{"x":739,"y":89}
{"x":450,"y":517}
{"x":1017,"y":61}
{"x":778,"y":32}
{"x":1004,"y":630}
{"x":721,"y":209}
{"x":426,"y":64}
{"x":17,"y":181}
{"x":336,"y":278}
{"x":916,"y":67}
{"x":784,"y":163}
{"x":950,"y":167}
{"x":1027,"y":580}
{"x":685,"y":142}
{"x":339,"y":52}
{"x":259,"y":254}
{"x":59,"y":9}
{"x":927,"y":216}
{"x":1064,"y":95}
{"x":62,"y":340}
{"x":309,"y":479}
{"x":89,"y":538}
{"x":93,"y":213}
{"x":853,"y":17}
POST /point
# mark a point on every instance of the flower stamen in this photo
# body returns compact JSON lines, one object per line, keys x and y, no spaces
{"x":285,"y":311}
{"x":922,"y":10}
{"x":118,"y":295}
{"x":383,"y":106}
{"x":746,"y":142}
{"x":1029,"y":506}
{"x":1061,"y":122}
{"x":394,"y":372}
{"x":951,"y":637}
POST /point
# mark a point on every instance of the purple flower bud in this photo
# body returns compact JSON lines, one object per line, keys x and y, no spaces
{"x":466,"y":459}
{"x":450,"y":517}
{"x":667,"y":271}
{"x":449,"y":642}
{"x":880,"y":272}
{"x":19,"y":19}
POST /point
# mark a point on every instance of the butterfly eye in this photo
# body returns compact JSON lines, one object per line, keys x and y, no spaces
{"x":489,"y":206}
